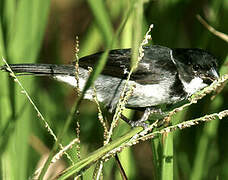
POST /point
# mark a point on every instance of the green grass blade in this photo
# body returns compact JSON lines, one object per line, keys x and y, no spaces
{"x":200,"y":167}
{"x":167,"y":159}
{"x":23,"y":29}
{"x":102,"y":18}
{"x":25,"y":39}
{"x":86,"y":162}
{"x":137,"y":32}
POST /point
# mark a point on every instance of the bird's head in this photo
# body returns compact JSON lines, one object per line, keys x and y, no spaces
{"x":196,"y":68}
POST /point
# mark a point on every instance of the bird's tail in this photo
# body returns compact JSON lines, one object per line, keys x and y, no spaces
{"x":40,"y":69}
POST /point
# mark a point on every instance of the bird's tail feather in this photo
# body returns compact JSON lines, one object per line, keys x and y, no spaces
{"x":40,"y":69}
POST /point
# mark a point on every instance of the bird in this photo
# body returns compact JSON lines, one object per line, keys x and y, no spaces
{"x":164,"y":76}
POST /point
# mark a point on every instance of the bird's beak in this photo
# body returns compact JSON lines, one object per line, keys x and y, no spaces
{"x":210,"y":76}
{"x":213,"y":74}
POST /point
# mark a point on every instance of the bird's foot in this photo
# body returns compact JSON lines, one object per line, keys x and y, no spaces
{"x":141,"y":122}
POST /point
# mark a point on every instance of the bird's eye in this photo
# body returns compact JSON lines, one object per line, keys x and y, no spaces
{"x":196,"y":67}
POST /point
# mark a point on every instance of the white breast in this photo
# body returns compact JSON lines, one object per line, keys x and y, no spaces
{"x":109,"y":89}
{"x":194,"y":85}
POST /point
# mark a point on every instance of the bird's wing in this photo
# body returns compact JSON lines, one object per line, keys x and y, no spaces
{"x":153,"y":68}
{"x":118,"y":62}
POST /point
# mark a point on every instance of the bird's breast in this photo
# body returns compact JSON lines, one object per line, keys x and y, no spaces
{"x":109,"y":90}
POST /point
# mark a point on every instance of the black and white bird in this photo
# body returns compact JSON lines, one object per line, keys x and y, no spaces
{"x":164,"y":76}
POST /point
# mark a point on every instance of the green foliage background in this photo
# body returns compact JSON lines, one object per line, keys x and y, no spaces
{"x":43,"y":31}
